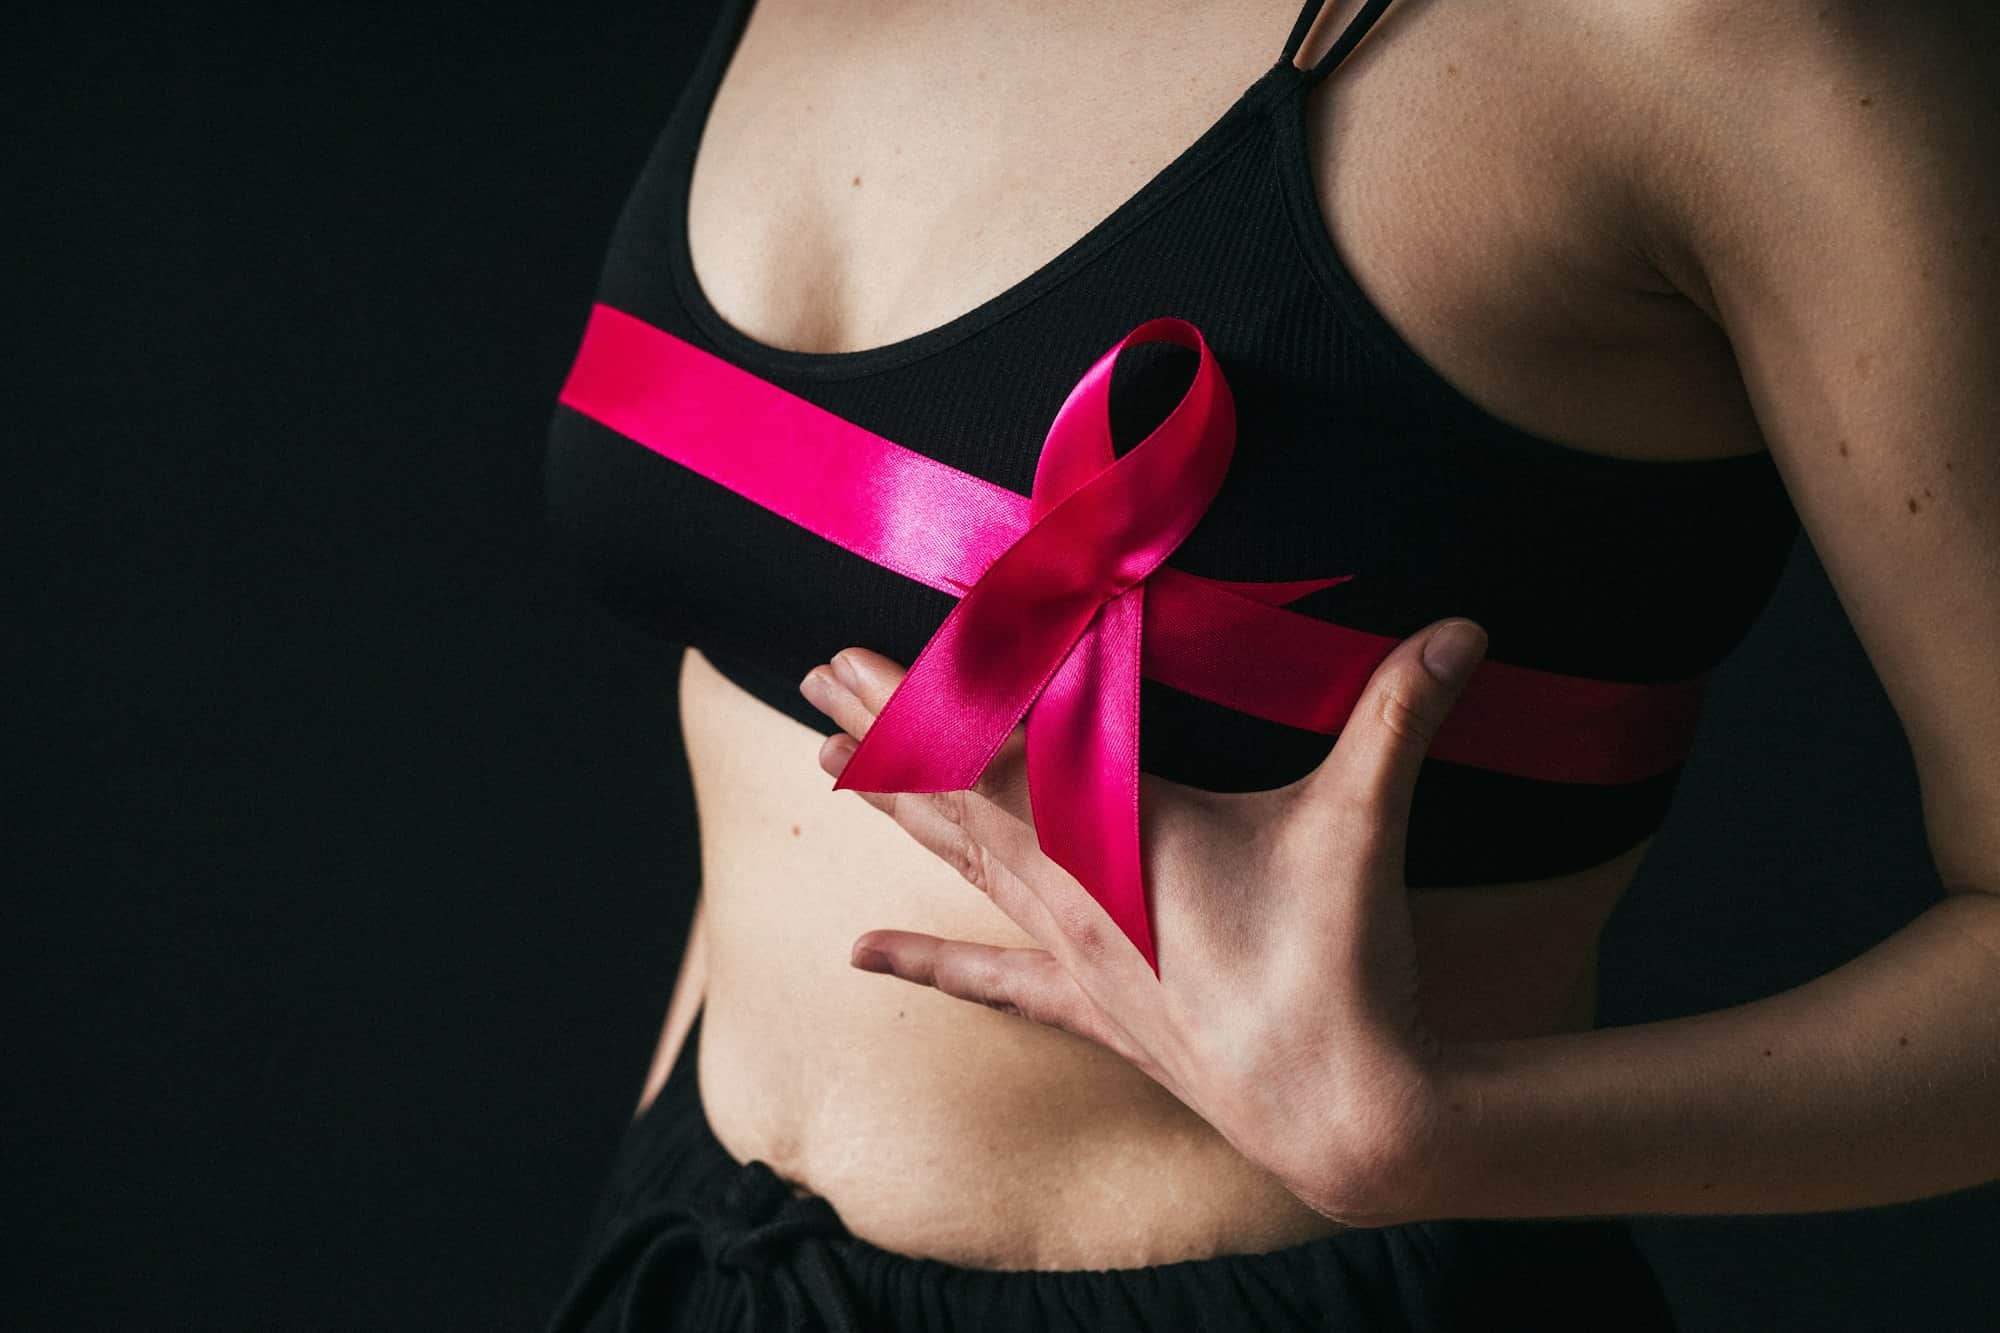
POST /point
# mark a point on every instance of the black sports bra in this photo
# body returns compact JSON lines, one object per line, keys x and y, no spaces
{"x":1353,"y":456}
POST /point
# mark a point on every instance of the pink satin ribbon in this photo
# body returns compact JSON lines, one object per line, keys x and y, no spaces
{"x":1064,"y":602}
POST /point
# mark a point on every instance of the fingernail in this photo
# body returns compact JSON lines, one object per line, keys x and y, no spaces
{"x":869,"y":960}
{"x":813,"y":687}
{"x":844,"y":668}
{"x":1453,"y":650}
{"x":835,"y":751}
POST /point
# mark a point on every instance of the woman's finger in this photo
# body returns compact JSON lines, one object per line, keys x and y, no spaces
{"x":1028,"y":983}
{"x":870,"y":678}
{"x":988,"y":846}
{"x":939,"y":823}
{"x":997,"y":854}
{"x":967,"y":828}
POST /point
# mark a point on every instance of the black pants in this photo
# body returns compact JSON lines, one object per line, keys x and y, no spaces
{"x":686,"y":1237}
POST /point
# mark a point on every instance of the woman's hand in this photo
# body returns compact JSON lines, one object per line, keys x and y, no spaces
{"x":1286,"y":1009}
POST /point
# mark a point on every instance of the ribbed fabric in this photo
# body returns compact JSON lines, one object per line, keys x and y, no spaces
{"x":688,"y":1238}
{"x":1353,"y":456}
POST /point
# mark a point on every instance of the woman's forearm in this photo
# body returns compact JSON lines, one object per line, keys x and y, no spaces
{"x":1876,"y":1083}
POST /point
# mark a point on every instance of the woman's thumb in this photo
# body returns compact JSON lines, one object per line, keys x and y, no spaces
{"x":1382,"y":744}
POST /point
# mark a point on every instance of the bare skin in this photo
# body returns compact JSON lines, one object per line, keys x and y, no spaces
{"x":1473,"y":167}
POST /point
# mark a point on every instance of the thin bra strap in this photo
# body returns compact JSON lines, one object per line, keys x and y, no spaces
{"x":1350,"y":37}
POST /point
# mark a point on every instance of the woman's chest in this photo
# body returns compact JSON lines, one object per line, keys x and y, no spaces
{"x":863,"y":176}
{"x":1355,"y":456}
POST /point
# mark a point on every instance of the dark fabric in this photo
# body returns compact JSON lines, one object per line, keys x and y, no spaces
{"x":688,"y":1238}
{"x":1353,"y":456}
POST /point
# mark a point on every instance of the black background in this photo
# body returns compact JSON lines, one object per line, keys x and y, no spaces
{"x":348,"y":844}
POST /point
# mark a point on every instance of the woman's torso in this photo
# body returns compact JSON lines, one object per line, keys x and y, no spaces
{"x":1466,"y":154}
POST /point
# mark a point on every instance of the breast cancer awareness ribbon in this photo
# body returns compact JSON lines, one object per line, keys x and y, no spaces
{"x":1052,"y":631}
{"x":1064,"y":602}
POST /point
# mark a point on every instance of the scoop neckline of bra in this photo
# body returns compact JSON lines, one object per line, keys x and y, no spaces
{"x":1282,"y":77}
{"x":1168,"y":181}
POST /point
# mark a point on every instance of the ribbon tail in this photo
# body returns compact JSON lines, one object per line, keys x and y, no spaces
{"x":1083,"y":767}
{"x":1276,"y":594}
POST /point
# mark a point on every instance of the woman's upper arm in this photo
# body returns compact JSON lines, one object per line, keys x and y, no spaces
{"x":690,"y":987}
{"x":1829,"y":174}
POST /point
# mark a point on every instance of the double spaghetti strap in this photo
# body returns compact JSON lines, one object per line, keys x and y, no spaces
{"x":1350,"y":37}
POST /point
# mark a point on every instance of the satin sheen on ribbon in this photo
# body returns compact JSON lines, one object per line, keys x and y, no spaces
{"x":1064,"y":602}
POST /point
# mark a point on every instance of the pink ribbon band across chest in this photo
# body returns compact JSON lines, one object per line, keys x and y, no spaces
{"x":1065,"y":602}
